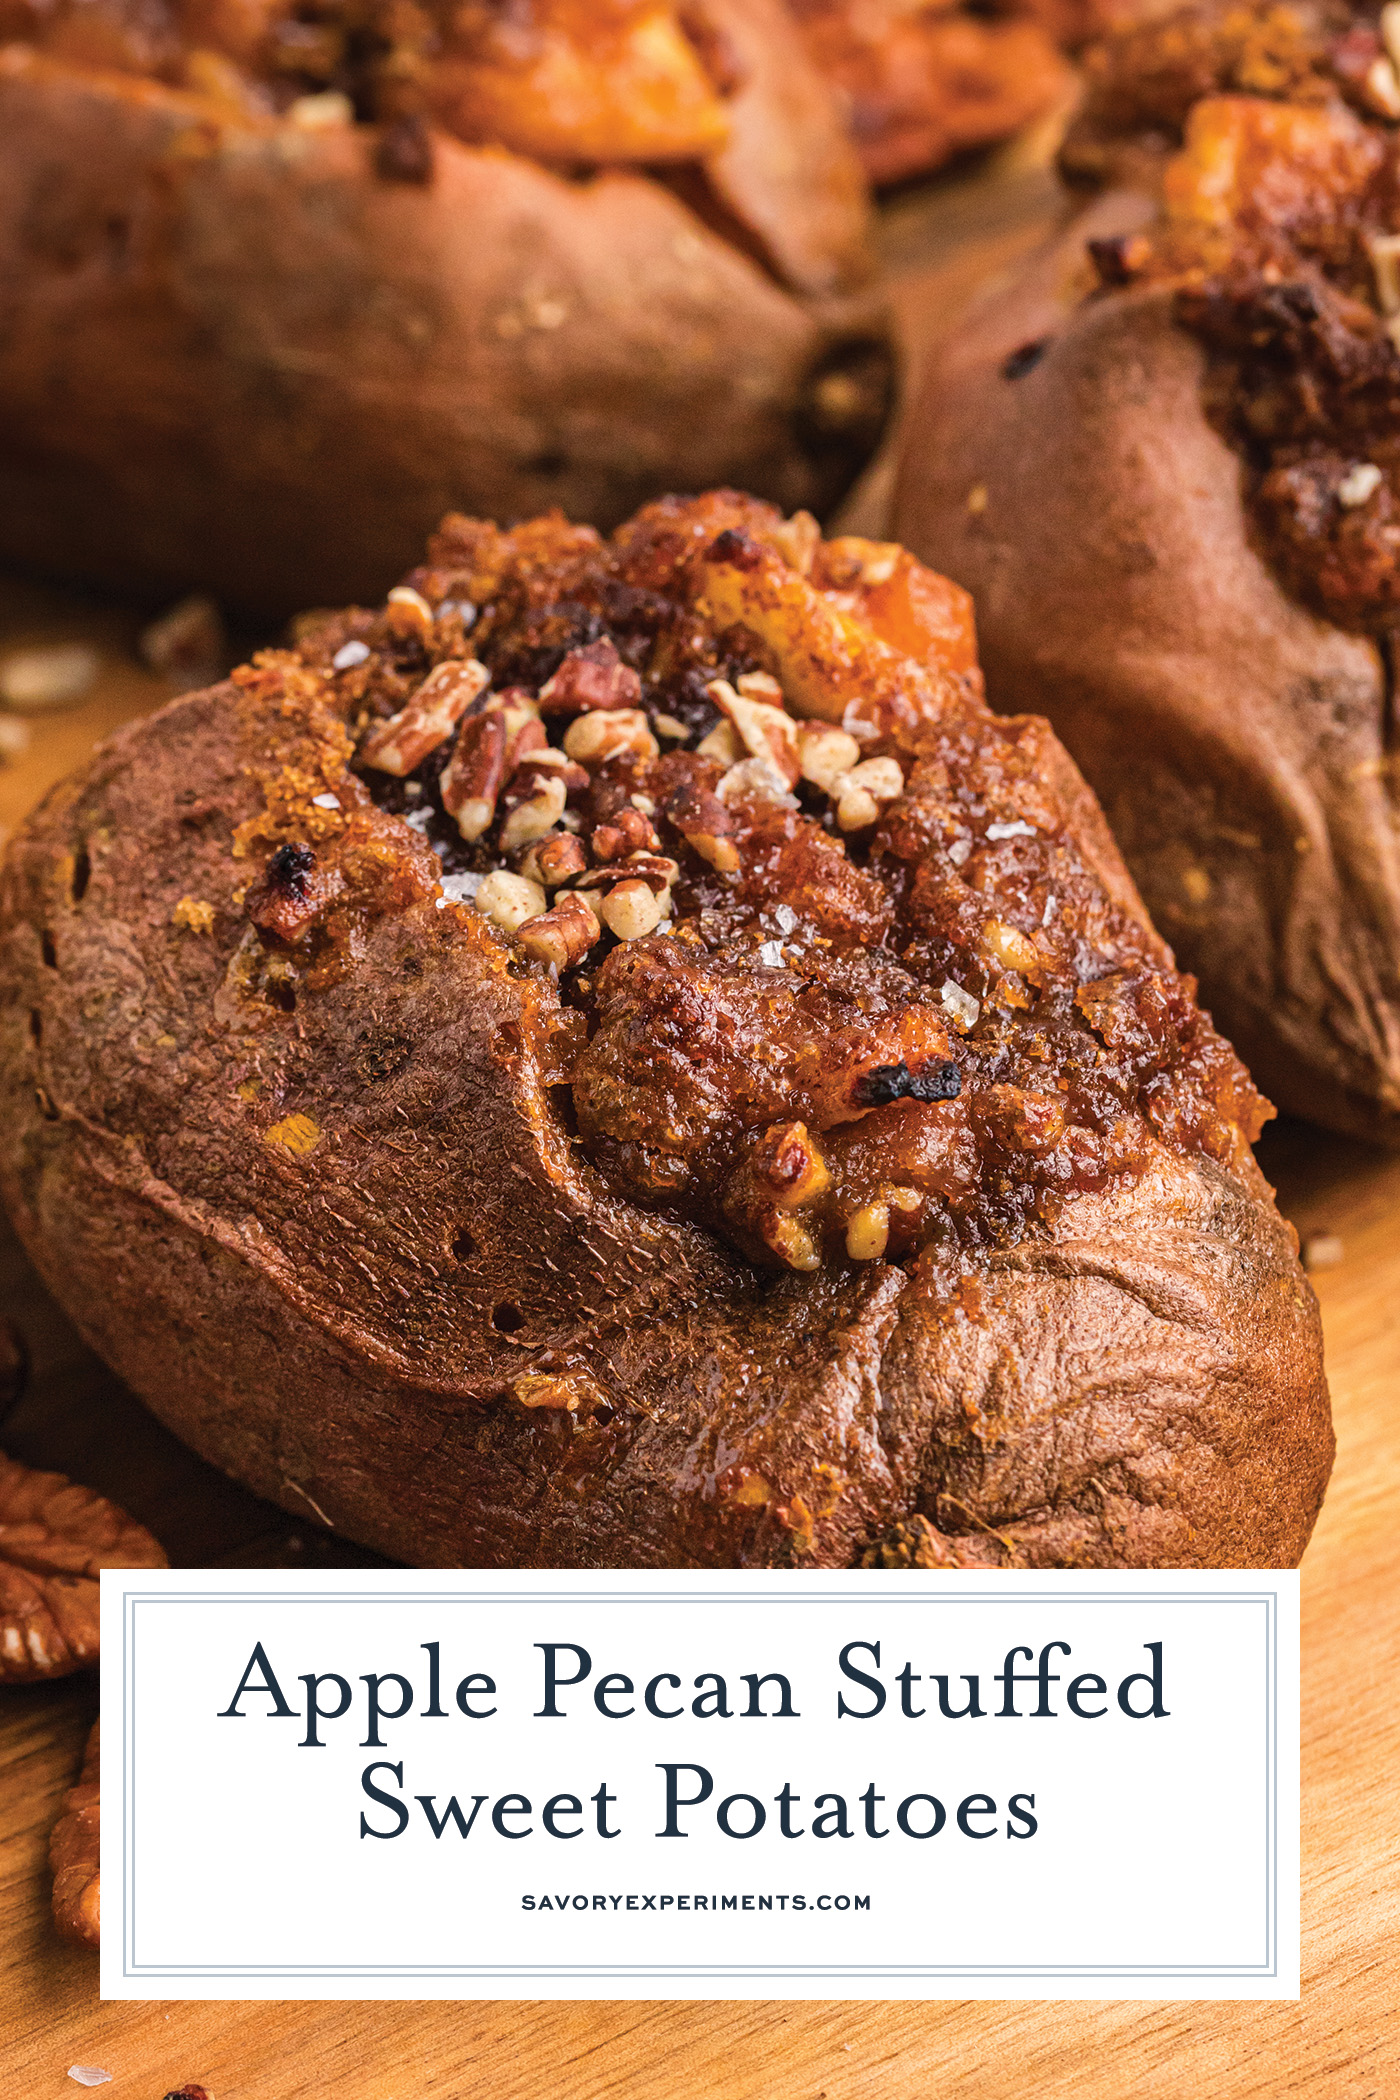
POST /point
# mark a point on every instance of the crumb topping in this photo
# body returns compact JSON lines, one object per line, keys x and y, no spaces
{"x":807,"y":939}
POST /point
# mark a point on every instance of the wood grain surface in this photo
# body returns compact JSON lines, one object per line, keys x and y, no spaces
{"x":1338,"y":2043}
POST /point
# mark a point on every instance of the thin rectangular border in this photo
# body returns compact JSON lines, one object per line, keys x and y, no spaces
{"x":488,"y":1972}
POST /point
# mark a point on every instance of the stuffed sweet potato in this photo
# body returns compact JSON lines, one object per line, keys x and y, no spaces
{"x":1167,"y":462}
{"x":617,"y":1057}
{"x":282,"y":280}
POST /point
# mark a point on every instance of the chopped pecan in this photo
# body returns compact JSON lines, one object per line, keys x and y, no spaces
{"x":401,"y":744}
{"x":610,"y":733}
{"x":798,"y":538}
{"x":825,"y":754}
{"x":767,"y":732}
{"x":473,"y":777}
{"x":536,"y":799}
{"x":657,"y":870}
{"x":408,"y":614}
{"x":754,"y":780}
{"x":509,"y":900}
{"x":537,"y":767}
{"x":788,"y":1163}
{"x":863,"y":792}
{"x":75,"y":1852}
{"x":563,"y":935}
{"x":589,"y":678}
{"x":527,"y":740}
{"x":633,"y":908}
{"x":628,"y":832}
{"x":722,"y":743}
{"x":54,"y":1539}
{"x":560,"y":859}
{"x":705,"y":824}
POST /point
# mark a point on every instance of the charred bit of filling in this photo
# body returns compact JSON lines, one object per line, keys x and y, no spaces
{"x":1280,"y":234}
{"x":800,"y":926}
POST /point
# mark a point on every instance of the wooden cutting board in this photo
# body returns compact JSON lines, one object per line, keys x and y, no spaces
{"x":1338,"y":2043}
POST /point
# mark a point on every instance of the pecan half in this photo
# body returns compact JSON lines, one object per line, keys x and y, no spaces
{"x":75,"y":1852}
{"x":401,"y":744}
{"x":54,"y":1539}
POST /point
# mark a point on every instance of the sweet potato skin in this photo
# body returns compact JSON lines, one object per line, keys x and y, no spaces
{"x":1239,"y":745}
{"x":233,"y":356}
{"x":339,"y":1317}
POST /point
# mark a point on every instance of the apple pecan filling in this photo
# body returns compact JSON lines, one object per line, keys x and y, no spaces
{"x":1275,"y":135}
{"x":810,"y":938}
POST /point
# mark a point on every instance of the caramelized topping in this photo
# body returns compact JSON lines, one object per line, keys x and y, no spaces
{"x":842,"y":986}
{"x":1281,"y":204}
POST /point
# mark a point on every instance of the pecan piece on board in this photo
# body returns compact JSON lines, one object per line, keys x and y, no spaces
{"x":75,"y":1851}
{"x":54,"y":1538}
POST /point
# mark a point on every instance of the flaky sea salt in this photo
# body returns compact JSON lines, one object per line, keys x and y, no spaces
{"x":348,"y":655}
{"x":88,"y":2074}
{"x":1011,"y":831}
{"x":959,"y":1005}
{"x":771,"y":954}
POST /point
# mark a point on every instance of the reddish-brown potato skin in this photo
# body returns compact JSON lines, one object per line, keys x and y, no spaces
{"x":1142,"y":1386}
{"x":1240,"y":746}
{"x":233,"y":356}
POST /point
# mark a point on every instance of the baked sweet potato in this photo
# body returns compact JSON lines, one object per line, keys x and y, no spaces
{"x":618,"y":1057}
{"x":1165,"y":462}
{"x":279,"y":284}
